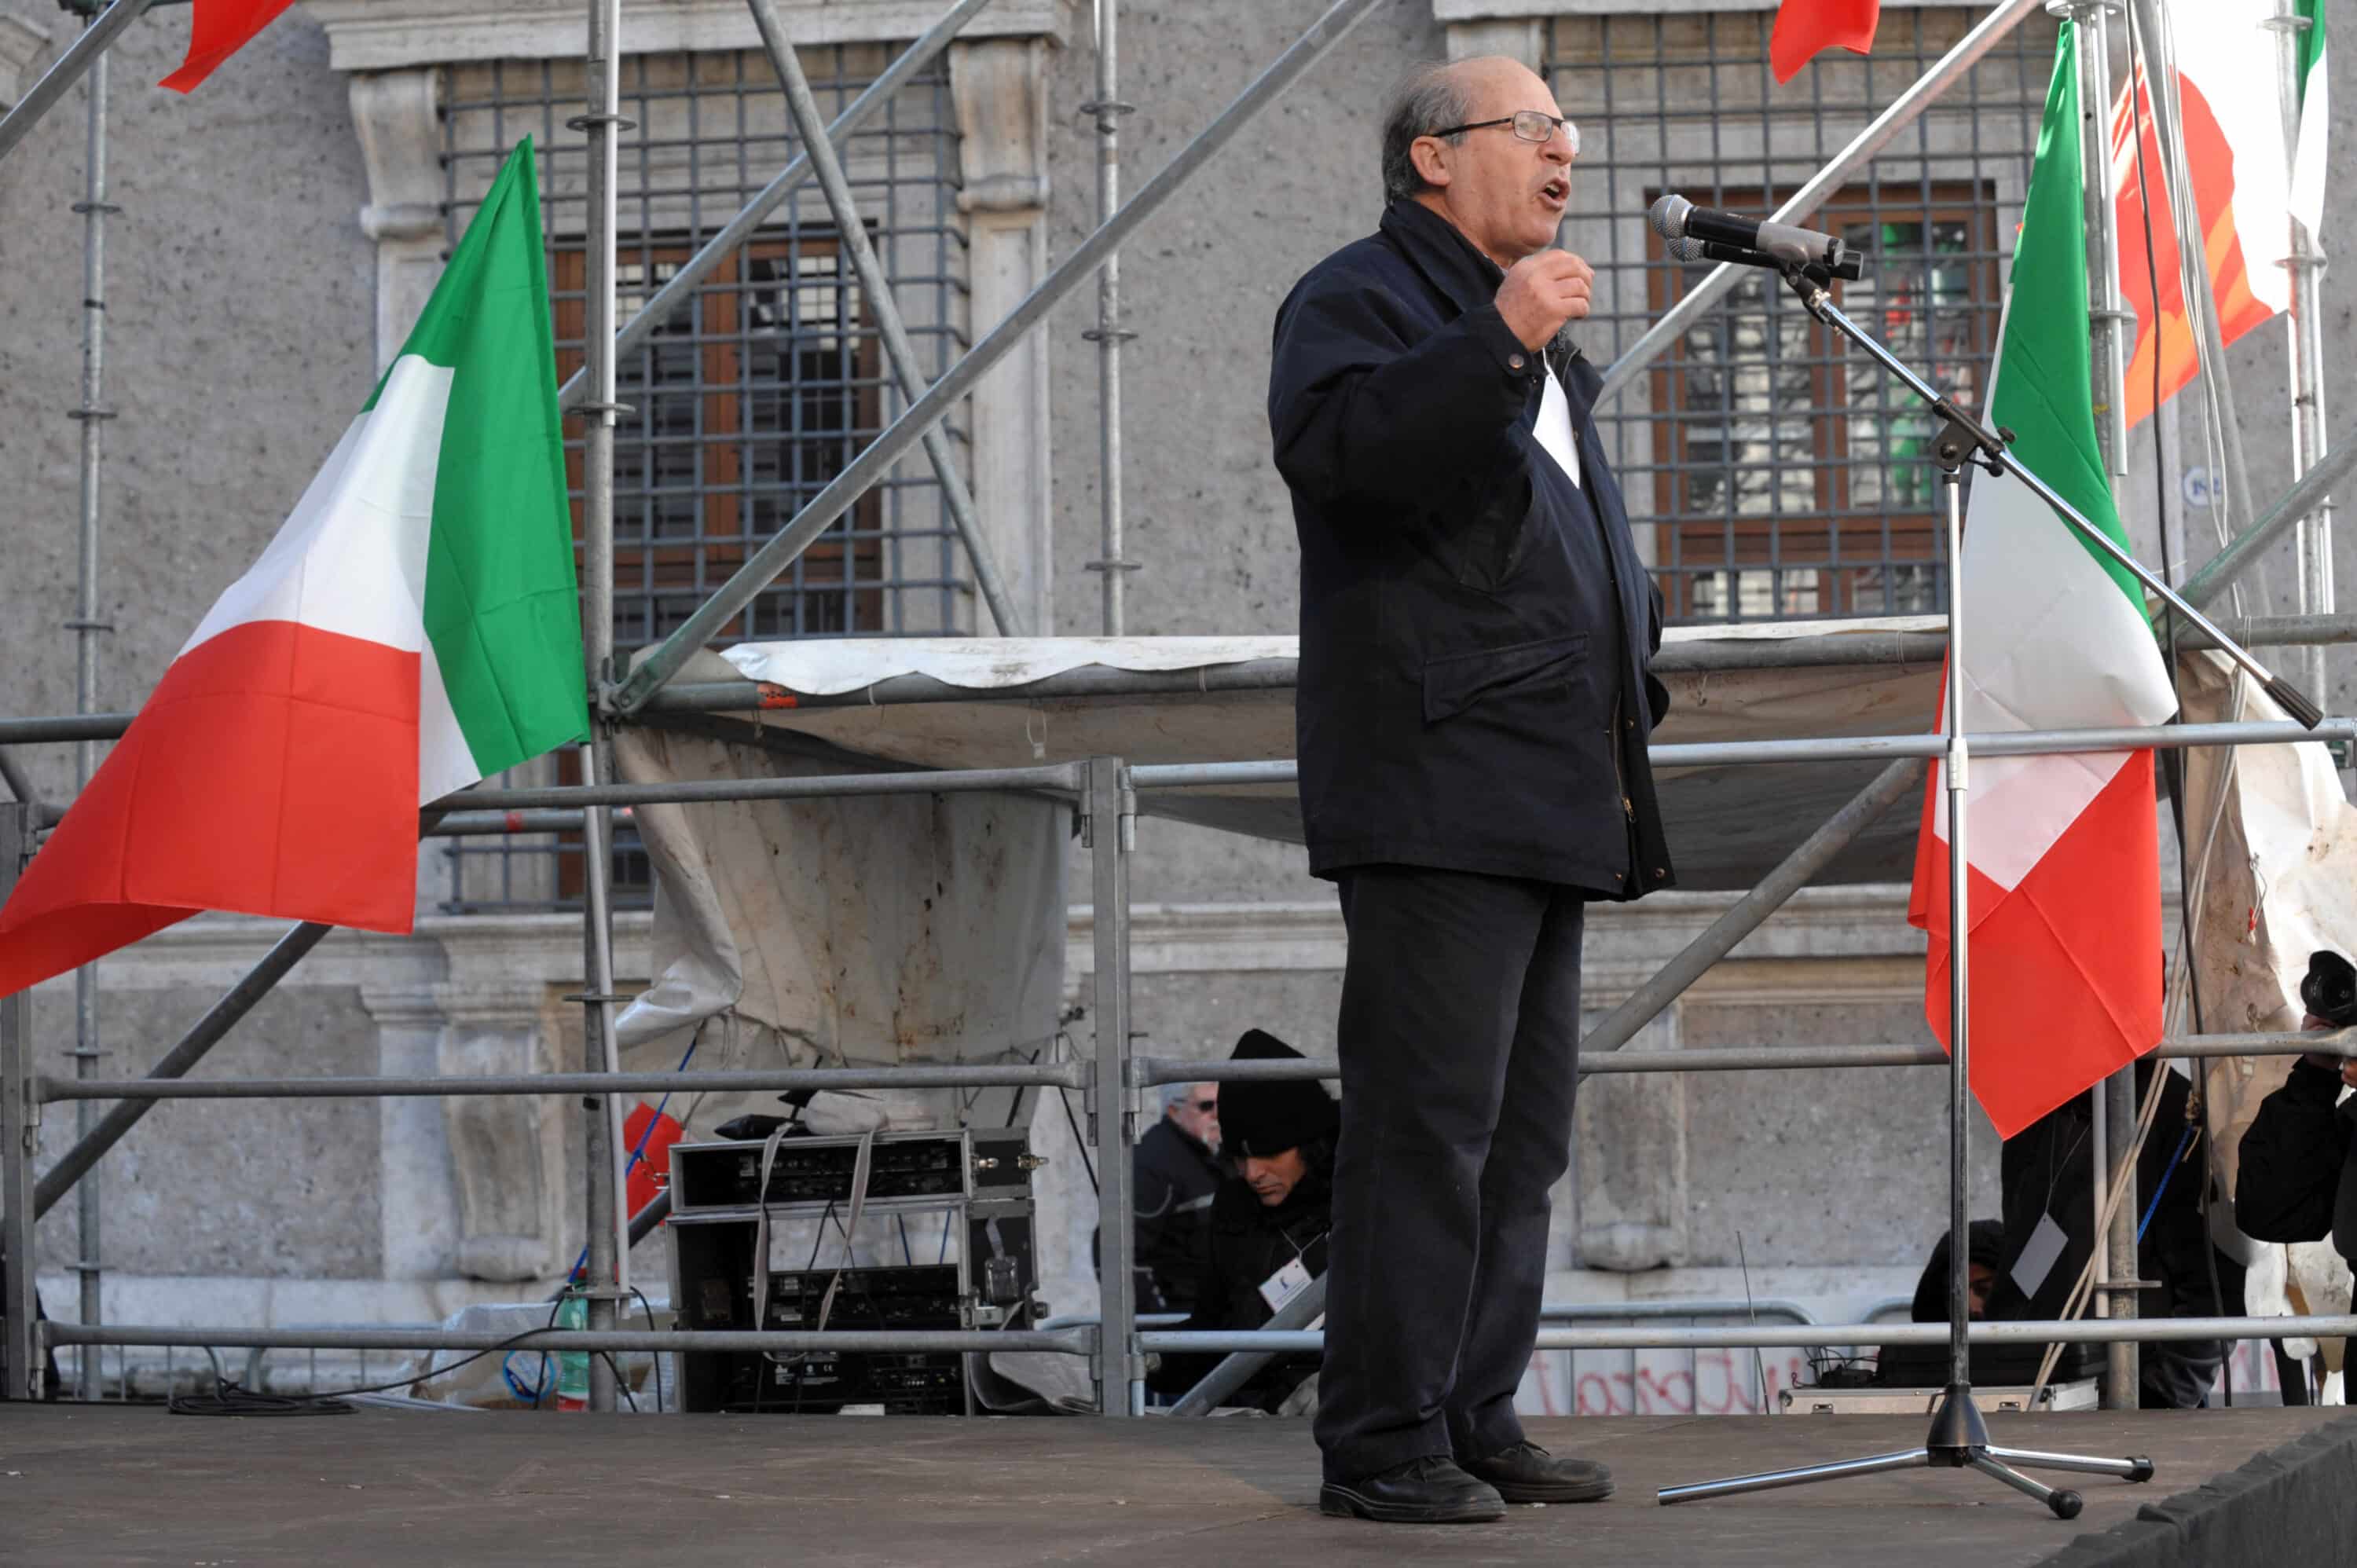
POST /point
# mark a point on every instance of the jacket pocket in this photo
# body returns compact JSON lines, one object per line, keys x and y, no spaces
{"x":1455,"y":681}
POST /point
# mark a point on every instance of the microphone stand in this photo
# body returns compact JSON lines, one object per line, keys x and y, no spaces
{"x":1959,"y":1438}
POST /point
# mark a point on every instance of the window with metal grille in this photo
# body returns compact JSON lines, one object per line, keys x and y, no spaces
{"x":1772,"y":472}
{"x":761,"y":388}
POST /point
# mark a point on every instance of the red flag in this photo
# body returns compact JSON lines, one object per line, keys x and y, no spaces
{"x":1806,"y":28}
{"x":221,"y":28}
{"x":2247,"y":295}
{"x":651,"y":1133}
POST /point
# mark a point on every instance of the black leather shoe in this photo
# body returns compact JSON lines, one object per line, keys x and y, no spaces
{"x":1527,"y":1473}
{"x":1431,"y":1490}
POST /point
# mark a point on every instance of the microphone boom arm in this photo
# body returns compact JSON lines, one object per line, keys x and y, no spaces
{"x":1965,"y":439}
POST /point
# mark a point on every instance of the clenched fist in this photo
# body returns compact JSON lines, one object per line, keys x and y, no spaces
{"x":1542,"y":292}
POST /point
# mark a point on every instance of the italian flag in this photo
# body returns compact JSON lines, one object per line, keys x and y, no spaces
{"x":413,"y":628}
{"x":2064,"y":871}
{"x":2246,"y":184}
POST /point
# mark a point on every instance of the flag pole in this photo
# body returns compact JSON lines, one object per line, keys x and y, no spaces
{"x":608,"y":1215}
{"x":2117,"y":1094}
{"x":2304,"y":345}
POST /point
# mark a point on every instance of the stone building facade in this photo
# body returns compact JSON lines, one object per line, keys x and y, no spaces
{"x":283,"y":226}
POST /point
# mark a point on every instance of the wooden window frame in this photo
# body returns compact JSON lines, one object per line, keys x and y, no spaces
{"x":1688,"y":545}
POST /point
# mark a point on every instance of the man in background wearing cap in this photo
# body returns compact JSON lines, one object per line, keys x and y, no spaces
{"x":1269,"y":1222}
{"x":2299,"y":1175}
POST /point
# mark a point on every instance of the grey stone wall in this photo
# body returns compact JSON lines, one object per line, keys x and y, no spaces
{"x":280,"y":1189}
{"x":239,"y":291}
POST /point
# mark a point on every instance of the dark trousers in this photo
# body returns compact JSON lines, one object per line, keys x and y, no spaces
{"x":1459,"y":1043}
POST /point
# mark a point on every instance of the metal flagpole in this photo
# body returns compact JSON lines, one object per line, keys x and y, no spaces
{"x":2115,"y":1095}
{"x":609,"y":1258}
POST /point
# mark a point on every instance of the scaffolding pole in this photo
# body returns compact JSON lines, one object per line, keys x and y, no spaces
{"x":86,"y":626}
{"x":1108,"y":334}
{"x":1109,"y":814}
{"x":607,"y":1266}
{"x":2310,"y":491}
{"x":20,"y":1346}
{"x":802,"y":103}
{"x":2304,"y":352}
{"x":780,"y":551}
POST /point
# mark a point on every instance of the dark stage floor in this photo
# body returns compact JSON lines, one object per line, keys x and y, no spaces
{"x":105,"y":1484}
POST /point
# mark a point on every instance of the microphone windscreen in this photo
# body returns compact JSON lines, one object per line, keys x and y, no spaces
{"x":1685,"y":250}
{"x":1668,"y":216}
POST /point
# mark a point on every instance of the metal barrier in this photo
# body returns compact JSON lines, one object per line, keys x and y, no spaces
{"x":1103,"y":795}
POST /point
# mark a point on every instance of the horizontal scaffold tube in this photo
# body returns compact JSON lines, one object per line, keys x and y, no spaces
{"x":1147,"y":1071}
{"x":1070,"y":1341}
{"x":1059,"y":778}
{"x":1746,"y":1335}
{"x":1011,"y":1075}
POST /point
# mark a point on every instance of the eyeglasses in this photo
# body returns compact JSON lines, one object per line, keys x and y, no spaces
{"x":1529,"y":124}
{"x":1207,"y":1106}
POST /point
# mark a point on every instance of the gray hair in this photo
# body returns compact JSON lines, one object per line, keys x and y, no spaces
{"x":1173,"y":1093}
{"x":1429,"y":97}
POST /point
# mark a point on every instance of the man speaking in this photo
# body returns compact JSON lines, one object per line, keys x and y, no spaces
{"x":1472,"y":717}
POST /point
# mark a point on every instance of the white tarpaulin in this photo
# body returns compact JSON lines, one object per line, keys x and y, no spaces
{"x":842,"y":931}
{"x":917,"y":926}
{"x":2273,"y":848}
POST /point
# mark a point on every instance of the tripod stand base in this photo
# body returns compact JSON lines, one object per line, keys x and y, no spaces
{"x":1958,"y":1441}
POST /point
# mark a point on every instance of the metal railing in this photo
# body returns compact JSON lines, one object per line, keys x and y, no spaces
{"x":1103,"y":794}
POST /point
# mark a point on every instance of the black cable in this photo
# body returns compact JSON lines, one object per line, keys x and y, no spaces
{"x":1078,"y":1141}
{"x":649,"y":1308}
{"x":2172,"y":764}
{"x":230,"y":1399}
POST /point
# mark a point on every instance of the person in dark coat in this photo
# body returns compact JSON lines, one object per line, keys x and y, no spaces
{"x":1472,"y":717}
{"x":1269,"y":1222}
{"x":1177,"y":1171}
{"x":2298,"y":1178}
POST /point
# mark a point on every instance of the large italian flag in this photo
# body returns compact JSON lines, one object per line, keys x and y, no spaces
{"x":2064,"y":871}
{"x":2246,"y":183}
{"x":413,"y":628}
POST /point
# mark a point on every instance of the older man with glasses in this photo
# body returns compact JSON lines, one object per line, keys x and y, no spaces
{"x":1473,"y":710}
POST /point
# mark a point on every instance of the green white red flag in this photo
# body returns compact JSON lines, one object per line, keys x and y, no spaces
{"x":2063,"y":864}
{"x":218,"y":30}
{"x":2246,"y":185}
{"x":414,"y":628}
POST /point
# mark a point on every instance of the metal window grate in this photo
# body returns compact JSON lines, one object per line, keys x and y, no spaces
{"x":761,"y":389}
{"x":1770,"y":473}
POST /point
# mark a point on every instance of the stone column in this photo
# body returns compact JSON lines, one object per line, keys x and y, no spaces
{"x":21,"y":43}
{"x":1630,"y":1160}
{"x":401,"y":144}
{"x":507,"y":1153}
{"x":999,"y":88}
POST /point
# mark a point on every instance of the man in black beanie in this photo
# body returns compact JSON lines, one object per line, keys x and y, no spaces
{"x":1269,"y":1220}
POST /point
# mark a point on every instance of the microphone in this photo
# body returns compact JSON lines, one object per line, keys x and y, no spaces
{"x":1675,"y":218}
{"x":1851,"y":267}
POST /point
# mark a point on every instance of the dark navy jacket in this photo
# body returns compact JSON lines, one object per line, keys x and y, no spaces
{"x":1476,"y":629}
